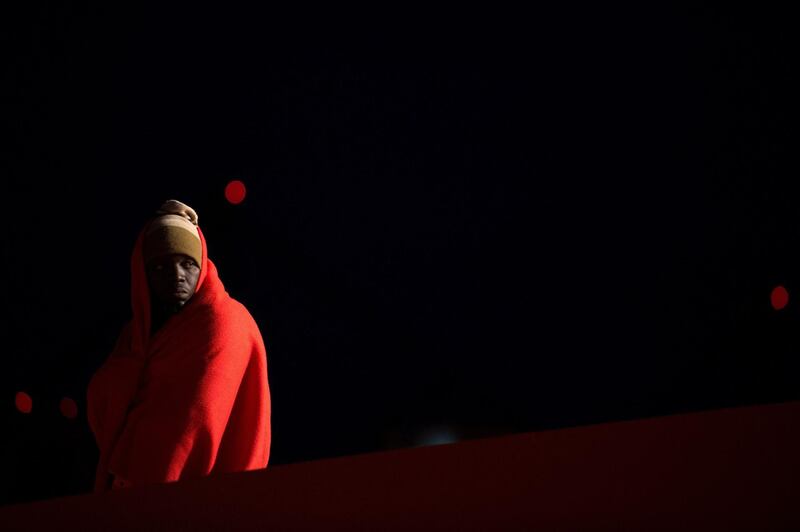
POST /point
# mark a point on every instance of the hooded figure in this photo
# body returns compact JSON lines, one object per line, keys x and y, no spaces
{"x":184,"y":393}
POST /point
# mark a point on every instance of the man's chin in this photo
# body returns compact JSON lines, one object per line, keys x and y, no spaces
{"x":174,"y":304}
{"x":179,"y":303}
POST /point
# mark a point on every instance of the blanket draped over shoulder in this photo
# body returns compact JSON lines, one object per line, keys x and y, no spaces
{"x":189,"y":401}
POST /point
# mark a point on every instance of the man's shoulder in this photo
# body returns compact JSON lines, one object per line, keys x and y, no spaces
{"x":240,"y":311}
{"x":228,"y":312}
{"x":235,"y":323}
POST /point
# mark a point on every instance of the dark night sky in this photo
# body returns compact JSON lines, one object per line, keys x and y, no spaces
{"x":496,"y":223}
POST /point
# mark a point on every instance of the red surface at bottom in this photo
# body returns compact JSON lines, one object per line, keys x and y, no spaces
{"x":731,"y":469}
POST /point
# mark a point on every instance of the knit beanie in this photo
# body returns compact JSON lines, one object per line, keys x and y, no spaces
{"x":173,"y":229}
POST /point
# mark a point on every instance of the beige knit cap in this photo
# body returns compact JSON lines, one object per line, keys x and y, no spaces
{"x":173,"y":229}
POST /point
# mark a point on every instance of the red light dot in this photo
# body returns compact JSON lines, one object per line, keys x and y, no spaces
{"x":779,"y":297}
{"x":235,"y":192}
{"x":24,"y":402}
{"x":68,"y":408}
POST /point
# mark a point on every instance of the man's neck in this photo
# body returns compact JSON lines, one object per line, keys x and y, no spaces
{"x":161,"y":313}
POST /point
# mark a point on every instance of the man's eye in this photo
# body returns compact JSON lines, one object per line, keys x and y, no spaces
{"x":188,"y":264}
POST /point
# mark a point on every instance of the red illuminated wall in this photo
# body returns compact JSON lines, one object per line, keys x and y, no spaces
{"x":732,"y":469}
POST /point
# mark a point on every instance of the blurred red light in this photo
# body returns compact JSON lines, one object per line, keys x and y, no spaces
{"x":235,"y":192}
{"x":779,"y":297}
{"x":68,"y":408}
{"x":24,"y":402}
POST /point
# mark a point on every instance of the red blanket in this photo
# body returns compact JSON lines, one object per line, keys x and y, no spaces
{"x":190,"y":401}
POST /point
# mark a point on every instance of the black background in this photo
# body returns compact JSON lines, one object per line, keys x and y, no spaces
{"x":492,"y":222}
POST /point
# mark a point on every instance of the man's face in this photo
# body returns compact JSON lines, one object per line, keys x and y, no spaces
{"x":172,"y":279}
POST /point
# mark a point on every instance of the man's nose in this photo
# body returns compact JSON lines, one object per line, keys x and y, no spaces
{"x":176,"y":273}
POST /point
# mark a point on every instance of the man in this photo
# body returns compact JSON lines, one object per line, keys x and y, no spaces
{"x":184,"y":393}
